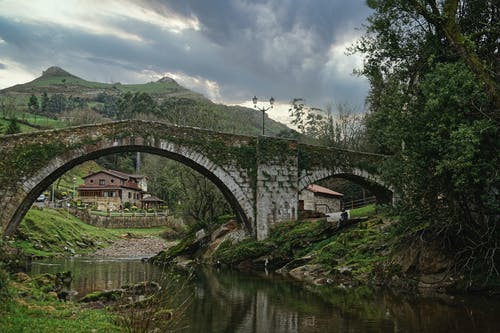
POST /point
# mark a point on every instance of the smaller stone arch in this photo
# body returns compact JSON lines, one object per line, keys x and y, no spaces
{"x":383,"y":192}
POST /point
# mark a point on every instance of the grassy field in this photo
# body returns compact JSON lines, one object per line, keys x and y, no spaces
{"x":4,"y":123}
{"x":40,"y":120}
{"x":368,"y":210}
{"x":49,"y":232}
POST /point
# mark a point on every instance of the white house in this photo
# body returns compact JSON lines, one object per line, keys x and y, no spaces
{"x":320,"y":199}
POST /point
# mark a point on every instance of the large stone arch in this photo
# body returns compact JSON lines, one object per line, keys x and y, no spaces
{"x":383,"y":192}
{"x":229,"y":179}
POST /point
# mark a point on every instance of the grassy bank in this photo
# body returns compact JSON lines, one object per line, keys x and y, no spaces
{"x":50,"y":232}
{"x":357,"y":249}
{"x":30,"y":308}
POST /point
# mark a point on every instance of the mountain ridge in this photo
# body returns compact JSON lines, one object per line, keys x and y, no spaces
{"x":175,"y":103}
{"x":57,"y":80}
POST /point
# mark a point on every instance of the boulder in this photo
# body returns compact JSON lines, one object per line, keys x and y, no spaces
{"x":105,"y":296}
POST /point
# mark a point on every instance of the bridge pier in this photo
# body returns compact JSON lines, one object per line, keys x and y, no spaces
{"x":276,"y":197}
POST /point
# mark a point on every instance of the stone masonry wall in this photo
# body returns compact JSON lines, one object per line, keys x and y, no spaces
{"x":277,"y":180}
{"x":115,"y":222}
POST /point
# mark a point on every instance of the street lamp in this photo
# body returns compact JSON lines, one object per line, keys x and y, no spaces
{"x":263,"y":109}
{"x":74,"y":181}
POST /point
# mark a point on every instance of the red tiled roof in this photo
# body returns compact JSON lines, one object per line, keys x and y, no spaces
{"x":105,"y":187}
{"x":115,"y":173}
{"x":323,"y":190}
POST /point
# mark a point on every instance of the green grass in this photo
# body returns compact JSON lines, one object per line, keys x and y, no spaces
{"x":29,"y":309}
{"x":54,"y":316}
{"x":24,"y":128}
{"x":368,"y":210}
{"x":56,"y":229}
{"x":40,"y":120}
{"x":285,"y":241}
{"x":45,"y":81}
{"x":359,"y":247}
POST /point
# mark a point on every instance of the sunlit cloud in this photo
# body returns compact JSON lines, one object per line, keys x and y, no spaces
{"x":279,"y":111}
{"x":12,"y":73}
{"x":341,"y":63}
{"x":96,"y":17}
{"x":204,"y":86}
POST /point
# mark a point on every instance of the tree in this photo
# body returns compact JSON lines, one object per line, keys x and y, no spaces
{"x":447,"y":16}
{"x":185,"y":190}
{"x":13,"y":127}
{"x":131,"y":105}
{"x":57,"y":104}
{"x":344,"y":129}
{"x":33,"y":105}
{"x":434,"y":107}
{"x":45,"y":102}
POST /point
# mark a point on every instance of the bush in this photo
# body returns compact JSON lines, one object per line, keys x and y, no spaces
{"x":4,"y":291}
{"x":170,"y":234}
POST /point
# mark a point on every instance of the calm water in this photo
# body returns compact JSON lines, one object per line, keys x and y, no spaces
{"x":229,"y":301}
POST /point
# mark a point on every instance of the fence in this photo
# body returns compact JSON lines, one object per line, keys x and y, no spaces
{"x":359,"y":203}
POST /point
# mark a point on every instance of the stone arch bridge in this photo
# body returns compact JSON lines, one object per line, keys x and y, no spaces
{"x":259,"y":176}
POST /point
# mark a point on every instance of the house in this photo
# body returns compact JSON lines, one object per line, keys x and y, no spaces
{"x":320,"y":199}
{"x":111,"y":189}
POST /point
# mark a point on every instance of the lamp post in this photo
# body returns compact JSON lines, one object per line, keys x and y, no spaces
{"x":74,"y":181}
{"x":263,"y":109}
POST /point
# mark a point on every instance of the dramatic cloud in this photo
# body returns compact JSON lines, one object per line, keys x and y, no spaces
{"x":226,"y":50}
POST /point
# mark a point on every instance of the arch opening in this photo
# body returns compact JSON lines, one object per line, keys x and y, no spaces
{"x":208,"y":169}
{"x":352,"y":189}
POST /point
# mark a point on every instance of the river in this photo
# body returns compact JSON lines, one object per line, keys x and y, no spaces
{"x":224,"y":300}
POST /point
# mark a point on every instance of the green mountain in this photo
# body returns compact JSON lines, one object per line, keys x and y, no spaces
{"x":169,"y":102}
{"x":57,"y":80}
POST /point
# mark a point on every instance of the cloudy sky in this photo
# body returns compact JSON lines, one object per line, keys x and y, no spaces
{"x":229,"y":50}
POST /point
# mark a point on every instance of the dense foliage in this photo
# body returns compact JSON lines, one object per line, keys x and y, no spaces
{"x":433,"y":105}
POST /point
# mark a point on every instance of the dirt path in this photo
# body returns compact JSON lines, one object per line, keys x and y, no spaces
{"x":134,"y":247}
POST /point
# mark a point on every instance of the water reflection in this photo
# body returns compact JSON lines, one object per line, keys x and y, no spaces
{"x":91,"y":274}
{"x":229,"y":301}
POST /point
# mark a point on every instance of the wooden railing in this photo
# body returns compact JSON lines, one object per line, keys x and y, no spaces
{"x":359,"y":202}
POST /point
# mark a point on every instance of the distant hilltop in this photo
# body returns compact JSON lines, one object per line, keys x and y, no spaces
{"x":56,"y":71}
{"x":55,"y":80}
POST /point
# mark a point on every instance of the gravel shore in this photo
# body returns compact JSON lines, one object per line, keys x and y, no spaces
{"x":134,"y":247}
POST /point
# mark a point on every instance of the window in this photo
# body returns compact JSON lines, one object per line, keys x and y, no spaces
{"x":102,"y":181}
{"x":112,"y":180}
{"x":129,"y":195}
{"x":91,"y":180}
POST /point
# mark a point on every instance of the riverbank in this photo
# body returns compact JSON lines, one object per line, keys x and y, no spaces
{"x":46,"y":232}
{"x":368,"y":252}
{"x":40,"y":302}
{"x":143,"y":247}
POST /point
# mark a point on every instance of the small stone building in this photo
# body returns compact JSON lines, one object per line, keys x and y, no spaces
{"x":320,"y":199}
{"x":111,"y":189}
{"x":151,"y":202}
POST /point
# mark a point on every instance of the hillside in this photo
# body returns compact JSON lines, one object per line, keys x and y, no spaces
{"x":170,"y":102}
{"x":57,"y":80}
